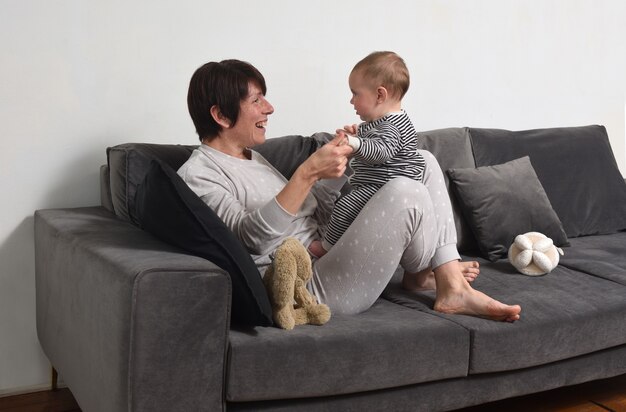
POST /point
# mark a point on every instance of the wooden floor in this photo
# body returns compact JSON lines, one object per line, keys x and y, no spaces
{"x":599,"y":396}
{"x":46,"y":401}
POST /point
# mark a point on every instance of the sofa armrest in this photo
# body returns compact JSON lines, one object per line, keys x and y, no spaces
{"x":131,"y":324}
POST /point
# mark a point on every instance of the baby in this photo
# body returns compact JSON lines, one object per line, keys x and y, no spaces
{"x":384,"y":145}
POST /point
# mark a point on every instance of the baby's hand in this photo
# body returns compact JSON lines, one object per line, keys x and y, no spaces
{"x":347,"y":139}
{"x":351,"y":129}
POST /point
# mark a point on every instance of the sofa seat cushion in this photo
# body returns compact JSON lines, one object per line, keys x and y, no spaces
{"x":603,"y":256}
{"x":387,"y":346}
{"x":565,"y":313}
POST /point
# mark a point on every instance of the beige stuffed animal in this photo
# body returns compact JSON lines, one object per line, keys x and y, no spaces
{"x":285,"y":280}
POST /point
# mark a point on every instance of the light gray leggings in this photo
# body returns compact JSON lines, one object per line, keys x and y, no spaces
{"x":406,"y":223}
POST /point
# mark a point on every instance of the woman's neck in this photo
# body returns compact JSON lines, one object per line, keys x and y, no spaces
{"x":227,"y":147}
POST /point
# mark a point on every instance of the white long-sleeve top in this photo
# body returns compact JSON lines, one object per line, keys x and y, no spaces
{"x":243,"y":194}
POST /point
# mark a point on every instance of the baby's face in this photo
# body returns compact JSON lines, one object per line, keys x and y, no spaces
{"x":364,"y":97}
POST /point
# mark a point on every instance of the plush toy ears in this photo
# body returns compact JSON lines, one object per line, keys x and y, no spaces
{"x":534,"y":254}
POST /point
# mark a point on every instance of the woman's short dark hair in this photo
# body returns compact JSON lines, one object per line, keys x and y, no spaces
{"x":223,"y":84}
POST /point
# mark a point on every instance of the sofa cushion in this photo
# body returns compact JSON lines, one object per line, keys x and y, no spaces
{"x":129,"y":163}
{"x":288,"y":152}
{"x":503,"y":201}
{"x":576,"y":168}
{"x":453,"y":149}
{"x":603,"y":256}
{"x":565,"y":314}
{"x":384,"y":347}
{"x":170,"y":210}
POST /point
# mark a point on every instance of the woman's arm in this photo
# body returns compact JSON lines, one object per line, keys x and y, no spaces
{"x":257,"y":228}
{"x":260,"y":228}
{"x":328,"y":162}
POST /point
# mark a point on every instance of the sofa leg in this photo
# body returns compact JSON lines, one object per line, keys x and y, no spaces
{"x":55,"y":379}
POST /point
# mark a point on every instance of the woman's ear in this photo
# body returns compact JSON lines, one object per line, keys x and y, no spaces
{"x":381,"y":94}
{"x":219,"y":118}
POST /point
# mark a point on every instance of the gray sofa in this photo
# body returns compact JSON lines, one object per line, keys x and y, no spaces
{"x":132,"y":323}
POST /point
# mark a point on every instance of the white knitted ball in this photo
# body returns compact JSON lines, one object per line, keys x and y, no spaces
{"x":534,"y":254}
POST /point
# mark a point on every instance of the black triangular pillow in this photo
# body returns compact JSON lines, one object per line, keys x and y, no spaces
{"x":167,"y":208}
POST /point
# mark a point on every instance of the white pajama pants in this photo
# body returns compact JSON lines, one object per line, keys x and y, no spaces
{"x":406,"y":223}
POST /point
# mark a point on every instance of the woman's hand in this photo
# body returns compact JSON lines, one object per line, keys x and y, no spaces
{"x":330,"y":160}
{"x":349,"y":134}
{"x":327,"y":162}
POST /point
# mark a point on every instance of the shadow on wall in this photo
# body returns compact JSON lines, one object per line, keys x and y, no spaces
{"x":74,"y":183}
{"x":78,"y":181}
{"x":24,"y":364}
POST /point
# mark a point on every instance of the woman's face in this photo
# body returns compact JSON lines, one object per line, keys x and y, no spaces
{"x":364,"y":97}
{"x":254,"y":110}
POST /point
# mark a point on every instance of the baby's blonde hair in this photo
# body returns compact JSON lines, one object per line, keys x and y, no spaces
{"x":387,"y":69}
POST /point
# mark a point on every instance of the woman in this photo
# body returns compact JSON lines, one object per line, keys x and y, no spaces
{"x":407,"y":223}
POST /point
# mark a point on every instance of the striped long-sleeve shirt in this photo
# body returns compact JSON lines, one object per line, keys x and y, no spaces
{"x":388,"y":149}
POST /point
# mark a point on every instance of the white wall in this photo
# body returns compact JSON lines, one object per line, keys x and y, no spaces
{"x":78,"y":76}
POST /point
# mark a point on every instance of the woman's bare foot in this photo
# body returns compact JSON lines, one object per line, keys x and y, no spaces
{"x":316,"y":249}
{"x":457,"y":297}
{"x":425,"y":280}
{"x":475,"y":303}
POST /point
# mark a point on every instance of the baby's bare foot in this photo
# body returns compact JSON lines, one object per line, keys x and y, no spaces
{"x":316,"y":249}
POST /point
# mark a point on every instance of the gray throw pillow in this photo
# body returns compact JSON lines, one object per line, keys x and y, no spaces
{"x":503,"y":201}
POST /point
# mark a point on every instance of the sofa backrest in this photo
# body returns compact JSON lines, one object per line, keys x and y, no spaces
{"x":575,"y":165}
{"x":128,"y":163}
{"x":453,"y":149}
